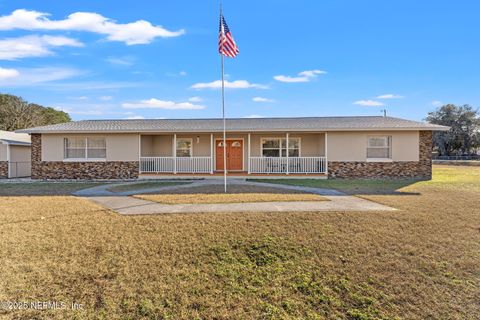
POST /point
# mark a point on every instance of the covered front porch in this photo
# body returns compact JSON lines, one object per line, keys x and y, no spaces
{"x":247,"y":154}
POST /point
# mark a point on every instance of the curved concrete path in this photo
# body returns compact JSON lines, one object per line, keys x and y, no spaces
{"x":124,"y":204}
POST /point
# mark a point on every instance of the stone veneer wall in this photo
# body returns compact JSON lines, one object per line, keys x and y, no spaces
{"x":399,"y":169}
{"x":3,"y":169}
{"x":79,"y":170}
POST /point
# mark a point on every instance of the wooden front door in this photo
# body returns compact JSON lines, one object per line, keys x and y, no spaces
{"x":234,"y":155}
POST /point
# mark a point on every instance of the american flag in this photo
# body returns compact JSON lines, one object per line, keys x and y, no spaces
{"x":226,"y":44}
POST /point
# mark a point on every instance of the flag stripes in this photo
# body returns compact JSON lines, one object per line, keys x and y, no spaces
{"x":226,"y":44}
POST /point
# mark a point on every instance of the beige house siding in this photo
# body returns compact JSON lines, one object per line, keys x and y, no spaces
{"x":342,"y":146}
{"x":3,"y":152}
{"x":120,"y":147}
{"x":352,"y":146}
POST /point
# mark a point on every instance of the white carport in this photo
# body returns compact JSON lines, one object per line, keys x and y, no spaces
{"x":15,"y":154}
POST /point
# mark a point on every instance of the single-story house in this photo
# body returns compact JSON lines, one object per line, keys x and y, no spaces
{"x":15,"y":155}
{"x":341,"y":147}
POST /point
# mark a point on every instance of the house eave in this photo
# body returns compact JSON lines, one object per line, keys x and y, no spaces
{"x":437,"y":128}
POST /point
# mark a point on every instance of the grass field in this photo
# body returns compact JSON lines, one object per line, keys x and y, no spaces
{"x":229,"y":198}
{"x":44,"y":188}
{"x":144,"y":185}
{"x":421,"y":262}
{"x":445,"y":177}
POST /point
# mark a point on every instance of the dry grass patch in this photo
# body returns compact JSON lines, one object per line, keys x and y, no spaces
{"x":421,"y":262}
{"x":231,"y":189}
{"x":144,"y":185}
{"x":228,"y":198}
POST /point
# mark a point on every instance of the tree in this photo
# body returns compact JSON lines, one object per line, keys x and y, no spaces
{"x":464,"y":134}
{"x":16,"y":113}
{"x":52,"y":116}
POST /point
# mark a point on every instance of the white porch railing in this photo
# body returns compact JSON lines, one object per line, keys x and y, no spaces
{"x":257,"y":165}
{"x":290,"y":165}
{"x":172,"y":165}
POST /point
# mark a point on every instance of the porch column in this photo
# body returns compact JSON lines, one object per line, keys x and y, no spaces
{"x":326,"y":153}
{"x":211,"y":153}
{"x":248,"y":155}
{"x":174,"y":151}
{"x":286,"y":147}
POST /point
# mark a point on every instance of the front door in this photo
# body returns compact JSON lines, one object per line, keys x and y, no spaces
{"x":234,"y":155}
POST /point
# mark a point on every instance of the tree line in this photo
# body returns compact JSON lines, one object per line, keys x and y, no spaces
{"x":463,"y":138}
{"x":16,"y":113}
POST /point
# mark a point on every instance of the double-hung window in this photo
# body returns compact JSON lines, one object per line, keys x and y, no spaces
{"x":379,"y":148}
{"x":85,"y":148}
{"x":184,"y":147}
{"x":276,"y":147}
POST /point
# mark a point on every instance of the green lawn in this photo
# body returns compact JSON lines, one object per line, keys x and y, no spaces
{"x":144,"y":185}
{"x":445,"y":177}
{"x":44,"y":188}
{"x":420,"y":262}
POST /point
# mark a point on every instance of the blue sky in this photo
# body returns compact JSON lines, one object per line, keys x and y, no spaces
{"x":159,"y":59}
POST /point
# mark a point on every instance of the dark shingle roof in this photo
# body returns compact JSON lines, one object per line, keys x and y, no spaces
{"x":239,"y":125}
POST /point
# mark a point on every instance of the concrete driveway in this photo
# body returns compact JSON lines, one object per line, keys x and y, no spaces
{"x":123,"y":203}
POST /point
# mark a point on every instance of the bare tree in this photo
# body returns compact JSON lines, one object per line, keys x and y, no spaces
{"x":16,"y":113}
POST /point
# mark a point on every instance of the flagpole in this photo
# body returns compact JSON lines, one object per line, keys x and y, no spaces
{"x":224,"y":129}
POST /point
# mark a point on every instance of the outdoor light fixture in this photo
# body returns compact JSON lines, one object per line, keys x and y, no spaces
{"x":198,"y":139}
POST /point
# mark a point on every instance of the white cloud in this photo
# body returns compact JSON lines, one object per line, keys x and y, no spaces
{"x":291,"y":79}
{"x":135,"y":117}
{"x":106,"y":98}
{"x":260,"y":99}
{"x":437,"y":103}
{"x":121,"y":61}
{"x":36,"y":76}
{"x":33,"y":46}
{"x":79,"y":98}
{"x":237,"y":84}
{"x":195,"y":99}
{"x":77,"y":111}
{"x":304,"y":76}
{"x":369,"y":103}
{"x":161,"y":104}
{"x":176,"y":74}
{"x":138,"y":32}
{"x":389,"y":96}
{"x":253,"y":116}
{"x":8,"y":73}
{"x":311,"y":73}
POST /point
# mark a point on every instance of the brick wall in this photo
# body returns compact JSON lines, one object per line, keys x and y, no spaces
{"x":3,"y":169}
{"x":421,"y":169}
{"x":79,"y":170}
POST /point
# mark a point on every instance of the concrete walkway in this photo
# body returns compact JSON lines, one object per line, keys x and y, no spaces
{"x":123,"y":204}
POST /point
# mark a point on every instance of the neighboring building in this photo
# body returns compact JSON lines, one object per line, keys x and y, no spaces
{"x":15,"y":155}
{"x":342,"y":147}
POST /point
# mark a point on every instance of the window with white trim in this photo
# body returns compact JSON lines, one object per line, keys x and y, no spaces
{"x":85,"y":148}
{"x":276,"y":147}
{"x":184,"y":148}
{"x":379,"y":147}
